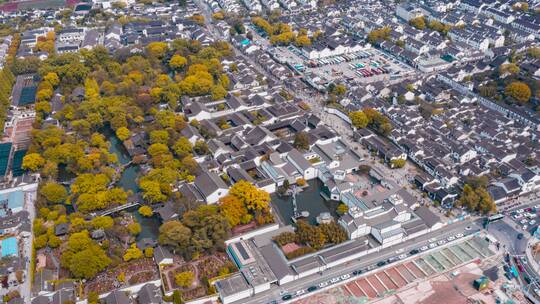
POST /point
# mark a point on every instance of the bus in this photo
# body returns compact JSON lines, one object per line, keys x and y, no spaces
{"x":495,"y":218}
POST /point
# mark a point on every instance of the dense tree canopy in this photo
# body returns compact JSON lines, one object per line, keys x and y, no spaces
{"x":83,"y":257}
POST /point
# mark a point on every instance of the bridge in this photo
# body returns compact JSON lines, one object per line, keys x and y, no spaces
{"x":116,"y":209}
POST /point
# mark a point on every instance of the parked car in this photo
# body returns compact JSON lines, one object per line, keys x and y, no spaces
{"x":424,"y":248}
{"x":300,"y":292}
{"x":323,"y":284}
{"x":413,"y":252}
{"x":381,"y":263}
{"x":345,"y":276}
{"x":286,"y":297}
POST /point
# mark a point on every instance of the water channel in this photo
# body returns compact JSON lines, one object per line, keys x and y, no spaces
{"x":128,"y":181}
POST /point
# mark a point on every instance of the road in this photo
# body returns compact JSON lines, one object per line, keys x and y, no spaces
{"x":368,"y":260}
{"x":507,"y":235}
{"x":25,"y":289}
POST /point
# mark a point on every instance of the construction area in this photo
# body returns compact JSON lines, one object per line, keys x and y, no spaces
{"x":442,"y":276}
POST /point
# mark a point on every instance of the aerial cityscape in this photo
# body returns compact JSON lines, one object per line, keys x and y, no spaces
{"x":270,"y":151}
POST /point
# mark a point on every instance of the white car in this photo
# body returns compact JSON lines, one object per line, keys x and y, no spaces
{"x":459,"y":235}
{"x":451,"y":238}
{"x":432,"y":245}
{"x":300,"y":292}
{"x":323,"y":284}
{"x":537,"y":206}
{"x":532,"y":222}
{"x":525,"y":227}
{"x":523,"y":221}
{"x":399,"y":251}
{"x":401,"y":257}
{"x":282,"y":292}
{"x":432,"y":240}
{"x":345,"y":276}
{"x":520,"y":211}
{"x":334,"y":280}
{"x":424,"y":248}
{"x":441,"y":242}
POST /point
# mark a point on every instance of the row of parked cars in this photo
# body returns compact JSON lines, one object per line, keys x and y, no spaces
{"x":402,"y":255}
{"x":371,"y":72}
{"x":526,"y":217}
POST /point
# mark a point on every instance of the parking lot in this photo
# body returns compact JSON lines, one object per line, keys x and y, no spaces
{"x":527,"y":219}
{"x":362,"y":66}
{"x":390,"y":279}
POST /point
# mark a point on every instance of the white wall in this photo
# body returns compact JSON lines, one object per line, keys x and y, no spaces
{"x":253,"y":233}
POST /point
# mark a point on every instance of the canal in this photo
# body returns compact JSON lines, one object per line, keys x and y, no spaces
{"x":308,"y":200}
{"x":128,"y":182}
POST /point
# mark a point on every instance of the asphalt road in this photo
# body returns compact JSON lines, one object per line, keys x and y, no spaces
{"x":508,"y":237}
{"x":371,"y":259}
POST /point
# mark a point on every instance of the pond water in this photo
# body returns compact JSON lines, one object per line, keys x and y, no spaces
{"x":308,"y":200}
{"x":128,"y":181}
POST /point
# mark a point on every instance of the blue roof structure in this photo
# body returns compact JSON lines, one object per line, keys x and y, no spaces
{"x":14,"y":199}
{"x":5,"y":149}
{"x":16,"y":167}
{"x":28,"y":95}
{"x":10,"y":247}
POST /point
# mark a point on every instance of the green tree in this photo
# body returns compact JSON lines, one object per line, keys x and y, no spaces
{"x":159,"y":136}
{"x":52,"y":79}
{"x":123,"y":133}
{"x":83,"y":257}
{"x":132,"y":253}
{"x":184,"y":279}
{"x":534,"y":52}
{"x":359,"y":119}
{"x":33,"y":162}
{"x":397,"y":163}
{"x":234,"y":210}
{"x":201,"y":148}
{"x":342,"y":209}
{"x":254,"y":199}
{"x":302,"y":40}
{"x":146,"y":211}
{"x":301,"y":140}
{"x":93,"y":297}
{"x":182,"y":147}
{"x":134,"y":228}
{"x":520,"y":91}
{"x":53,"y":192}
{"x":149,"y":252}
{"x":510,"y":68}
{"x":175,"y":235}
{"x":152,"y":191}
{"x":418,"y":22}
{"x":177,"y":62}
{"x":378,"y":35}
{"x":334,"y":232}
{"x":310,"y":235}
{"x":218,"y":92}
{"x":157,"y":49}
{"x":468,"y":198}
{"x":102,"y":222}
